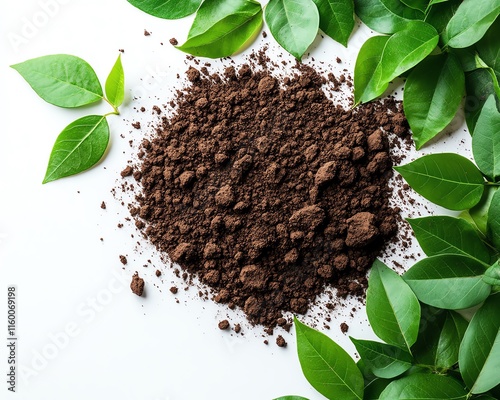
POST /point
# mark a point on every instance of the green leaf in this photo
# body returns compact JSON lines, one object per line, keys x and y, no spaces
{"x":479,"y":85}
{"x":424,"y":387}
{"x":367,"y":62}
{"x":479,"y":357}
{"x":492,"y":275}
{"x":488,"y":48}
{"x":115,"y":84}
{"x":383,"y":360}
{"x":385,"y":16}
{"x":439,"y":338}
{"x":493,"y":224}
{"x":486,"y":140}
{"x":402,"y":51}
{"x":448,"y":235}
{"x":293,"y":23}
{"x":167,"y":9}
{"x":470,"y":22}
{"x":440,"y":13}
{"x":420,"y":5}
{"x":448,"y":281}
{"x":433,"y":93}
{"x":446,"y":179}
{"x":327,"y":367}
{"x":375,"y":388}
{"x":221,"y":28}
{"x":336,"y":18}
{"x":478,"y":215}
{"x":78,"y":147}
{"x":62,"y":80}
{"x":392,"y":308}
{"x":291,"y":398}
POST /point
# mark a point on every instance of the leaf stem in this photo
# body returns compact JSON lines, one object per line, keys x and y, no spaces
{"x":115,"y":109}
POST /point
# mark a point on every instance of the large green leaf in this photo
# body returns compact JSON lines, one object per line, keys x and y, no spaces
{"x":221,"y":28}
{"x":386,"y":16}
{"x":447,"y":179}
{"x":392,"y":307}
{"x":168,"y":9}
{"x":448,"y":235}
{"x":424,"y":387}
{"x":78,"y":147}
{"x":486,"y":140}
{"x":439,"y":338}
{"x":433,"y":93}
{"x":448,"y":281}
{"x":336,"y":18}
{"x":61,"y":79}
{"x":479,"y":357}
{"x":383,"y":360}
{"x":115,"y":84}
{"x":493,"y":224}
{"x":470,"y":22}
{"x":492,"y":274}
{"x":327,"y":366}
{"x":293,"y":23}
{"x":402,"y":51}
{"x":440,"y":13}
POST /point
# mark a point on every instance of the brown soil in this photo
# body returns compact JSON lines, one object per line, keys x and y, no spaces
{"x":267,"y":190}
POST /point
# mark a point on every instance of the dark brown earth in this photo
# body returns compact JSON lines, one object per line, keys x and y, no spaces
{"x":267,"y":190}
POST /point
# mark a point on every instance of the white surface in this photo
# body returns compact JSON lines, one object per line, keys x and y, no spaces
{"x":68,"y":281}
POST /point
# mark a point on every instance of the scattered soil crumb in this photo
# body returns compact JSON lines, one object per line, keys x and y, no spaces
{"x":137,"y":285}
{"x":280,"y":341}
{"x":123,"y":259}
{"x":344,"y":327}
{"x":223,"y":325}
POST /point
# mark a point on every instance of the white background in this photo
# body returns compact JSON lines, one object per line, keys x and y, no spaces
{"x":82,"y":333}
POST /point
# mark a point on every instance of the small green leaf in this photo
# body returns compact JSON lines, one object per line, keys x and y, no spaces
{"x":486,"y":140}
{"x":420,"y":5}
{"x":470,"y":22}
{"x":448,"y":235}
{"x":336,"y":18}
{"x":392,"y":307}
{"x":366,"y":64}
{"x":493,"y":224}
{"x":386,"y":16}
{"x":221,"y":28}
{"x":478,"y":215}
{"x":383,"y":360}
{"x":433,"y":93}
{"x":115,"y":84}
{"x":492,"y":275}
{"x":448,"y":281}
{"x":78,"y":147}
{"x":479,"y":357}
{"x":424,"y":387}
{"x":439,"y":337}
{"x":327,"y":366}
{"x":62,"y":80}
{"x":293,"y":23}
{"x":446,"y":179}
{"x":402,"y":51}
{"x":167,"y":9}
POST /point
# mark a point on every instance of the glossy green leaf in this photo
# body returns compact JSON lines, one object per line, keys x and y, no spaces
{"x":486,"y":140}
{"x":446,"y":179}
{"x":115,"y":84}
{"x":383,"y":360}
{"x":479,"y":357}
{"x":167,"y":9}
{"x":420,"y":5}
{"x":375,"y":388}
{"x":336,"y":18}
{"x":440,"y":13}
{"x":448,"y":281}
{"x":392,"y":308}
{"x":293,"y":23}
{"x":488,"y":48}
{"x":424,"y":387}
{"x":327,"y":367}
{"x":367,"y":62}
{"x":493,"y":224}
{"x":386,"y":16}
{"x":433,"y":93}
{"x":221,"y":28}
{"x":291,"y":398}
{"x":470,"y":22}
{"x":492,"y":275}
{"x":439,"y":338}
{"x":78,"y":147}
{"x":479,"y":85}
{"x":448,"y":235}
{"x":402,"y":51}
{"x":61,"y":79}
{"x":478,"y":215}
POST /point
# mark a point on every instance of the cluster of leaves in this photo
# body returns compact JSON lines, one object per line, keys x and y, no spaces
{"x":70,"y":82}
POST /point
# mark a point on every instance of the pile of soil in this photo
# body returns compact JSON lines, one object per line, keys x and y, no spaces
{"x":268,"y":191}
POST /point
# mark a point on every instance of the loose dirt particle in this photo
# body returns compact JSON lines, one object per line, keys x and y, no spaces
{"x":136,"y":125}
{"x":344,"y":327}
{"x":123,"y":260}
{"x":174,"y":290}
{"x":173,"y":42}
{"x":103,"y":205}
{"x":158,"y":273}
{"x":223,"y":325}
{"x":137,"y":285}
{"x":280,"y":341}
{"x":128,"y":170}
